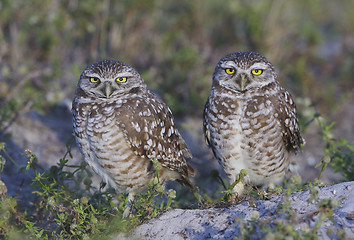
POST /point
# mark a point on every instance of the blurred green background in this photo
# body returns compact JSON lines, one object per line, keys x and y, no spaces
{"x":175,"y":45}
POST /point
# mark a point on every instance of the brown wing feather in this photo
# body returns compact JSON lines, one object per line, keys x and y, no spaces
{"x":289,"y":123}
{"x":205,"y":124}
{"x":152,"y":134}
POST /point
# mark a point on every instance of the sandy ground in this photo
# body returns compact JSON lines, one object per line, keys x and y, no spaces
{"x":224,"y":223}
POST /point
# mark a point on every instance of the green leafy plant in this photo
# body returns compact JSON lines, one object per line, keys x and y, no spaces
{"x":68,"y":206}
{"x":156,"y":200}
{"x":338,"y":152}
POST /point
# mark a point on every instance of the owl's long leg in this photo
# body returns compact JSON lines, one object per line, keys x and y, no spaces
{"x":240,"y":186}
{"x":128,"y":206}
{"x":237,"y":192}
{"x":238,"y":189}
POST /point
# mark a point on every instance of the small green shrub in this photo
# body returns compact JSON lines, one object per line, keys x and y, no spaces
{"x":68,"y":206}
{"x":338,"y":152}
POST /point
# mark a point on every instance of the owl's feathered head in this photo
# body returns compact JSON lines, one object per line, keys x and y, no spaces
{"x":244,"y":71}
{"x":109,"y":79}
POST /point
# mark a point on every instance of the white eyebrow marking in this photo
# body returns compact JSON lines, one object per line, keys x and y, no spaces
{"x":89,"y":75}
{"x":124,"y":74}
{"x":259,"y":65}
{"x":229,"y":64}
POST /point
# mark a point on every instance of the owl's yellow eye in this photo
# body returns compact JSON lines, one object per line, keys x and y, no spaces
{"x":121,"y":79}
{"x":94,"y":79}
{"x":230,"y":71}
{"x":257,"y":71}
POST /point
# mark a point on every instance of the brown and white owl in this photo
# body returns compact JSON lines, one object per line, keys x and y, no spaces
{"x":250,"y":121}
{"x":120,"y":127}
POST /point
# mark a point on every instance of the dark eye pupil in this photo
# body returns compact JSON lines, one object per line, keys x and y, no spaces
{"x":94,"y":79}
{"x":230,"y":70}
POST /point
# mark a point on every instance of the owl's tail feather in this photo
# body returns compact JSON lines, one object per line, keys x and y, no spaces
{"x":184,"y":180}
{"x":190,"y":170}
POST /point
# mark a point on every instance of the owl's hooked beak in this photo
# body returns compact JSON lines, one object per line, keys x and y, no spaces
{"x":243,"y":81}
{"x":108,"y":90}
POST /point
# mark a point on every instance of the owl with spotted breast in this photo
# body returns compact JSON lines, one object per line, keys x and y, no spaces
{"x":250,"y":121}
{"x":121,"y":127}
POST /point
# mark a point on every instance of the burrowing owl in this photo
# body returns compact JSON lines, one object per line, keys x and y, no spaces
{"x":250,"y":121}
{"x":120,"y":127}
